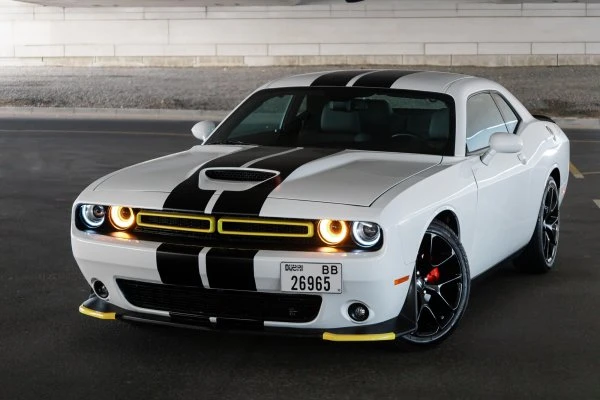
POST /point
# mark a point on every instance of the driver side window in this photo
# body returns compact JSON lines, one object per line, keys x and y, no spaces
{"x":266,"y":118}
{"x":483,"y":120}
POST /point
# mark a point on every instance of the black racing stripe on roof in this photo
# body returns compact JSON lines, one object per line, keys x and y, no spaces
{"x":382,"y":79}
{"x":187,"y":196}
{"x":249,"y":202}
{"x":338,"y":78}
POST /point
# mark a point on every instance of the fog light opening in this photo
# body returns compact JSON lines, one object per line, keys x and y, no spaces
{"x":100,"y":290}
{"x":358,"y":312}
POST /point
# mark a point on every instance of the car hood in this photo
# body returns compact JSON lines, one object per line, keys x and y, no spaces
{"x":350,"y":177}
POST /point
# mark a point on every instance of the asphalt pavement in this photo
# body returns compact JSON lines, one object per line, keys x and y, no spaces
{"x":523,"y":336}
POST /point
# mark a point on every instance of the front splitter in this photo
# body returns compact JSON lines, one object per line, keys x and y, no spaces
{"x":387,"y":330}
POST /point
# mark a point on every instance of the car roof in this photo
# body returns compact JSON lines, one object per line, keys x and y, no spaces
{"x":430,"y":81}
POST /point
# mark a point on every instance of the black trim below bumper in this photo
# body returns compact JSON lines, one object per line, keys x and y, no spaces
{"x":387,"y":330}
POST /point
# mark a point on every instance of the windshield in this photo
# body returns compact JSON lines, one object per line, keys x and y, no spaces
{"x":347,"y":117}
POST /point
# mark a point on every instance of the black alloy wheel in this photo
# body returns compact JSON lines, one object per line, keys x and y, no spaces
{"x":442,"y":282}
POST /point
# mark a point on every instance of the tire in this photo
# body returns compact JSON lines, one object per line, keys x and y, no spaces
{"x":442,"y":283}
{"x":539,"y":256}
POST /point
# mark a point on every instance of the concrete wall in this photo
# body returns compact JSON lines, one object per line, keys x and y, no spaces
{"x":374,"y":32}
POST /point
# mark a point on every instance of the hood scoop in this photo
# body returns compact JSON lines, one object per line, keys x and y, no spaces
{"x":239,"y":174}
{"x":233,"y":179}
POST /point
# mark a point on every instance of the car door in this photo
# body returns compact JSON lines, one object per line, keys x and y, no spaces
{"x":502,"y":185}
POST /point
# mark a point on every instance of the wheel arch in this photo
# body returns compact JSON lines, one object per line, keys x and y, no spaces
{"x":449,"y":218}
{"x":556,"y":175}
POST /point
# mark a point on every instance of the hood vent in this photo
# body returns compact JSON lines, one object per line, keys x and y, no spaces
{"x":239,"y":175}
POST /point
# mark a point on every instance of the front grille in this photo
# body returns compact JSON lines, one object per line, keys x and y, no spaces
{"x":222,"y":228}
{"x":239,"y":175}
{"x":228,"y":241}
{"x":176,"y":222}
{"x":264,"y":227}
{"x":221,"y":303}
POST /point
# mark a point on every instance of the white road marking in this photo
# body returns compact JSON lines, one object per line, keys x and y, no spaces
{"x":576,"y":173}
{"x":597,"y":203}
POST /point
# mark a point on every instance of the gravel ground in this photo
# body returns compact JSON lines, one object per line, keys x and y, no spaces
{"x":558,"y":91}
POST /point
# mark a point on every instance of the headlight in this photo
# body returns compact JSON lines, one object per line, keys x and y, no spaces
{"x":121,"y":217}
{"x":332,"y":232}
{"x":92,"y":215}
{"x":366,"y":234}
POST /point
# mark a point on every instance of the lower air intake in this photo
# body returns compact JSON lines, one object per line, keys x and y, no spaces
{"x":221,"y":303}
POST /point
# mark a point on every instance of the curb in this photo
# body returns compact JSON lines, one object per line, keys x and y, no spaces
{"x":111,"y":113}
{"x":184,"y":115}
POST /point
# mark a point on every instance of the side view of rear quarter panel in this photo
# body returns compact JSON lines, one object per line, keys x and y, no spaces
{"x":546,"y":149}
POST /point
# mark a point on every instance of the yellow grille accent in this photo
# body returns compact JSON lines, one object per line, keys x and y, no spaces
{"x":310,"y":232}
{"x":211,"y":220}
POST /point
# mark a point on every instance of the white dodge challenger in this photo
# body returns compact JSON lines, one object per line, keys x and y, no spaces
{"x":348,"y":205}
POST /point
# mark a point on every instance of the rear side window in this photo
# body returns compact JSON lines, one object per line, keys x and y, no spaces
{"x":510,"y":118}
{"x":483,"y":120}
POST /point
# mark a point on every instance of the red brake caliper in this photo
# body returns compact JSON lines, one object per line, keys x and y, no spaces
{"x":433,"y":276}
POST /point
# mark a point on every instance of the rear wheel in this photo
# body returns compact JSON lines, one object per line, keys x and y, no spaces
{"x":540,"y":254}
{"x":442,"y":282}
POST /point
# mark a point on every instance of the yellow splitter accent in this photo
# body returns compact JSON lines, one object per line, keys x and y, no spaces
{"x":96,"y":314}
{"x":310,"y":229}
{"x":333,"y":337}
{"x":211,"y":220}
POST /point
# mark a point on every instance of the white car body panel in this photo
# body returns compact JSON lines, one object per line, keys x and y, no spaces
{"x":376,"y":173}
{"x":163,"y":174}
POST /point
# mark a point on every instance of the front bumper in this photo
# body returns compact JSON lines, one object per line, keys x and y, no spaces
{"x":369,"y":278}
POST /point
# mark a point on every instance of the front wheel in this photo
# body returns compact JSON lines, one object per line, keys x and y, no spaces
{"x":442,"y":282}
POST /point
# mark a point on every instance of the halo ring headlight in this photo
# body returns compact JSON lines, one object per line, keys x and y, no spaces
{"x":366,"y":234}
{"x":332,"y":232}
{"x":121,"y":217}
{"x":93,"y":215}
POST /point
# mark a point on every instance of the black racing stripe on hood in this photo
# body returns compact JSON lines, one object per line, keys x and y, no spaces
{"x":338,"y":78}
{"x":382,"y":79}
{"x":250,"y":202}
{"x":187,"y":196}
{"x":231,"y":269}
{"x":178,"y":264}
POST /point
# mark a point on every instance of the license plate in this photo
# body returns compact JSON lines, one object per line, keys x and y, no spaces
{"x":311,"y":277}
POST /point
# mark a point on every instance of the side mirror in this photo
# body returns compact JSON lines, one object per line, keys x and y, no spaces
{"x":502,"y":142}
{"x":202,"y":130}
{"x":506,"y":143}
